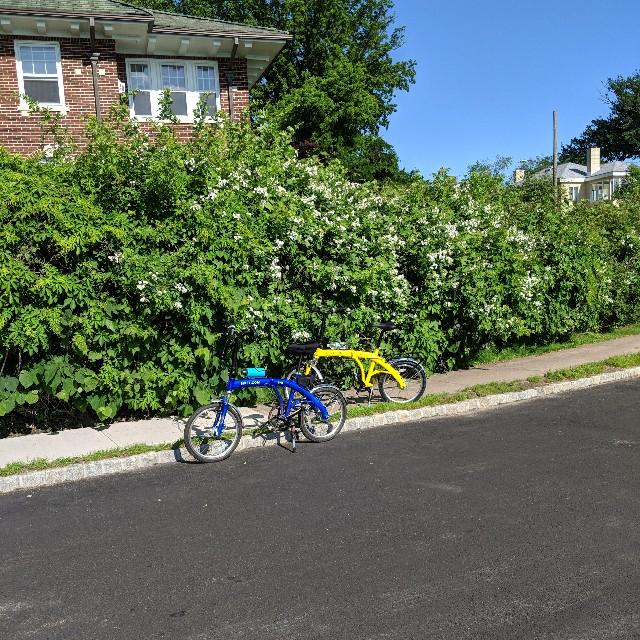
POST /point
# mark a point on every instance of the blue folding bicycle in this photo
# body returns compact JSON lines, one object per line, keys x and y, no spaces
{"x":214,"y":431}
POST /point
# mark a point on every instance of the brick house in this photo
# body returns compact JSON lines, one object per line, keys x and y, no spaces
{"x":77,"y":57}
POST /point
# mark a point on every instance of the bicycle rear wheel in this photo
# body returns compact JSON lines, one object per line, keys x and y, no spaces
{"x":414,"y":377}
{"x":203,"y":442}
{"x":313,"y":425}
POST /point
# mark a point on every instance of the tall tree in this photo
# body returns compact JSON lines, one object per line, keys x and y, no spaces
{"x":335,"y":83}
{"x":617,"y":135}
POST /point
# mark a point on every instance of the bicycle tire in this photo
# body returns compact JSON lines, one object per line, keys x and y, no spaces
{"x":316,"y":378}
{"x":199,"y":425}
{"x":413,"y":373}
{"x":314,"y":373}
{"x":311,"y":422}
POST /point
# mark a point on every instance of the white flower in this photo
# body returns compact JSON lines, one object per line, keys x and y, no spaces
{"x":451,"y":230}
{"x":262,"y":191}
{"x":177,"y":304}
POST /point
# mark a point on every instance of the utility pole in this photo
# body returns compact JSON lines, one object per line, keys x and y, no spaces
{"x":555,"y":152}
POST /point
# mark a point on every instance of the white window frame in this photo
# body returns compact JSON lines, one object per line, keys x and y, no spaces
{"x":155,"y":76}
{"x":574,"y":193}
{"x":24,"y":107}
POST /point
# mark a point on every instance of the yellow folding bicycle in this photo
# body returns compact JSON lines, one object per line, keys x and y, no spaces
{"x":399,"y":380}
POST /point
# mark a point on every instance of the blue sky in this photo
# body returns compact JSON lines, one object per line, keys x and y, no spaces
{"x":490,"y":73}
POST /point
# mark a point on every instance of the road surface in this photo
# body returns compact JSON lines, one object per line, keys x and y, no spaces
{"x":521,"y":522}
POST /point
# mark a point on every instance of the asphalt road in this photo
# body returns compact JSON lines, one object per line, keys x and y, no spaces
{"x":517,"y":523}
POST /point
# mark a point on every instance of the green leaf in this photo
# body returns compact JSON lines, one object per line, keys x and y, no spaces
{"x":9,"y":384}
{"x":27,"y":379}
{"x":107,"y":411}
{"x":7,"y":405}
{"x":96,"y":401}
{"x":204,"y":353}
{"x":90,"y":381}
{"x":202,"y":395}
{"x":69,"y":387}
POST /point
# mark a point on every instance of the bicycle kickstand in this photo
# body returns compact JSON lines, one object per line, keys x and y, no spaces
{"x":294,"y":438}
{"x":369,"y":395}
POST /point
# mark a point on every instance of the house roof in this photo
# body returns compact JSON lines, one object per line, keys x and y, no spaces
{"x":570,"y":171}
{"x":566,"y":171}
{"x":163,"y":22}
{"x":75,"y":7}
{"x":611,"y":167}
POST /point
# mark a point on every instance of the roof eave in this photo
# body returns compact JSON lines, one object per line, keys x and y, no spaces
{"x":224,"y":34}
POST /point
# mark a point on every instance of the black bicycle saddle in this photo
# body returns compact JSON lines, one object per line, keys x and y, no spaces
{"x":385,"y":326}
{"x":303,"y":349}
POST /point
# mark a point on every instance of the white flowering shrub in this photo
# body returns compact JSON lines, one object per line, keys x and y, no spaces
{"x":120,"y":267}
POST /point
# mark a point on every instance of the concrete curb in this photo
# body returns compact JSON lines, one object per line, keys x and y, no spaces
{"x":50,"y":477}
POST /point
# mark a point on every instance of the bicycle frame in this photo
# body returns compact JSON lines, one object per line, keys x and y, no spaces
{"x":286,"y":406}
{"x":377,"y":364}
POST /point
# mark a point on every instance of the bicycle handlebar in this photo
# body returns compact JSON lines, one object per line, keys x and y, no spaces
{"x":236,"y":337}
{"x":251,"y":332}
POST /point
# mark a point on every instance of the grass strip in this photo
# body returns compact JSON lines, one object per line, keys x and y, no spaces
{"x":492,"y":388}
{"x":587,"y":370}
{"x":40,"y":464}
{"x":492,"y":355}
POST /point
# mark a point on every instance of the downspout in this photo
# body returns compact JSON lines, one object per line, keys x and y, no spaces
{"x":230,"y":76}
{"x":94,"y":66}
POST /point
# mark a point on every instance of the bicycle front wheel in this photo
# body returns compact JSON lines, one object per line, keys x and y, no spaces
{"x":414,"y":377}
{"x":207,"y":444}
{"x":313,"y":425}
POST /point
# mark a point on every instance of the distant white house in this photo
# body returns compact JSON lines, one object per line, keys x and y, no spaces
{"x":593,"y":181}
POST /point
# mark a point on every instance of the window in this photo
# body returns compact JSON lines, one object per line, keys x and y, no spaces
{"x":40,"y":73}
{"x":187,"y":80}
{"x":574,"y":193}
{"x":173,"y":77}
{"x":140,"y":82}
{"x":207,"y":85}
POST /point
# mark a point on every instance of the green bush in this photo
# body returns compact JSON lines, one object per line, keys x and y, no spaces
{"x":120,"y":266}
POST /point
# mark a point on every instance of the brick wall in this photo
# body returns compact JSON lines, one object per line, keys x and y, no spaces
{"x":21,"y":133}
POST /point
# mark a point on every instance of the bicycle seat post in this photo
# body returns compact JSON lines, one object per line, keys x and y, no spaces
{"x":234,"y":358}
{"x":323,"y":327}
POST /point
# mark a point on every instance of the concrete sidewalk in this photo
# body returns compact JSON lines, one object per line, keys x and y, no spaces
{"x":77,"y":442}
